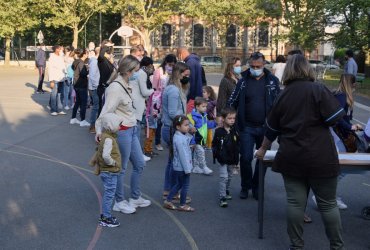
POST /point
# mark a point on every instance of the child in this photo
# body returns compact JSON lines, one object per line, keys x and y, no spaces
{"x":109,"y":167}
{"x":198,"y":117}
{"x":210,"y":95}
{"x":225,"y":147}
{"x":152,"y":116}
{"x":182,"y":163}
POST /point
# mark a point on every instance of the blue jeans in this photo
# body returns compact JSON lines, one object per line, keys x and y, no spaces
{"x":130,"y":149}
{"x":249,"y":138}
{"x":95,"y":107}
{"x":81,"y":102}
{"x":110,"y":185}
{"x":138,"y":131}
{"x":157,"y":140}
{"x":55,"y":101}
{"x":67,"y":93}
{"x":182,"y":182}
{"x":169,"y":179}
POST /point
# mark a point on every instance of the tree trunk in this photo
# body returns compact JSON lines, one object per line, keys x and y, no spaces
{"x":75,"y":37}
{"x":7,"y":51}
{"x":147,"y":44}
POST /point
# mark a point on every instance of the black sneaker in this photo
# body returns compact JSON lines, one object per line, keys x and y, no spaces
{"x":108,"y":222}
{"x":228,"y":195}
{"x":243,"y":194}
{"x":255,"y":193}
{"x":223,"y":202}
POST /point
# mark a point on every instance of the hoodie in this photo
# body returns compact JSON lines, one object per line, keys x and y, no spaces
{"x":196,"y":84}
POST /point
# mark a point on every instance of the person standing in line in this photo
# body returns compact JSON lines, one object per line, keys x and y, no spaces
{"x":106,"y":68}
{"x":40,"y":62}
{"x":161,"y":77}
{"x":351,"y":66}
{"x":182,"y":163}
{"x":196,"y":83}
{"x":94,"y":77}
{"x":137,"y":52}
{"x":211,"y":97}
{"x":307,"y":157}
{"x":253,"y":99}
{"x":119,"y":101}
{"x":57,"y":75}
{"x":80,"y":84}
{"x":68,"y":84}
{"x":279,"y":66}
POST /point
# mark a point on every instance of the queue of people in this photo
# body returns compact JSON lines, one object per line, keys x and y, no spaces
{"x":250,"y":113}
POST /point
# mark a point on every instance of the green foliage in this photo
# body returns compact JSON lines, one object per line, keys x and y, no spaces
{"x":305,"y":20}
{"x":18,"y":16}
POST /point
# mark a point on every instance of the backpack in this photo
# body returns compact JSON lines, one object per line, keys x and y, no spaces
{"x":153,"y":107}
{"x":225,"y":147}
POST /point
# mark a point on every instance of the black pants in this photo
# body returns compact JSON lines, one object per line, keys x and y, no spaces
{"x":41,"y":77}
{"x":100,"y":91}
{"x":81,"y":102}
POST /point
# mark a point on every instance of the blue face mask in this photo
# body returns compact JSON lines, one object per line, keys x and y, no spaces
{"x":134,"y":76}
{"x":256,"y":72}
{"x":238,"y":70}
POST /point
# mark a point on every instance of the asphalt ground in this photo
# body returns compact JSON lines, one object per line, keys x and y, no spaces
{"x":50,"y":199}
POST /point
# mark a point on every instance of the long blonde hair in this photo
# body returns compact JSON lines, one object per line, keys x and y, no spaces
{"x":175,"y":78}
{"x":346,"y":86}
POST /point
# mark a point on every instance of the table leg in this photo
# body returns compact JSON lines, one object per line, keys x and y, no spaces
{"x":261,"y":192}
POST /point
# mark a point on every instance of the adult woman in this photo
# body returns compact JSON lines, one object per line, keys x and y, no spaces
{"x":160,"y":81}
{"x":80,"y":84}
{"x":68,"y":60}
{"x":279,"y":66}
{"x":306,"y":157}
{"x":119,"y":101}
{"x":228,"y":82}
{"x":173,"y":104}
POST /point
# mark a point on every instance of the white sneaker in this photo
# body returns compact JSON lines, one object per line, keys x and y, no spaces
{"x":207,"y":171}
{"x":341,"y":204}
{"x":141,"y":202}
{"x":74,"y":121}
{"x":146,"y":158}
{"x":123,"y":207}
{"x":53,"y":113}
{"x":84,"y":123}
{"x":159,"y":147}
{"x":62,"y":113}
{"x":197,"y":170}
{"x":314,"y":200}
{"x":66,"y":108}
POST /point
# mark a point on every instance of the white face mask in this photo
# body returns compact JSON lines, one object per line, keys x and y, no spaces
{"x":256,"y":72}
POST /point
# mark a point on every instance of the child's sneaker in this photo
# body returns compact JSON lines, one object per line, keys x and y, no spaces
{"x":108,"y":222}
{"x":228,"y":195}
{"x":223,"y":202}
{"x":236,"y":170}
{"x":207,"y":171}
{"x":197,"y":170}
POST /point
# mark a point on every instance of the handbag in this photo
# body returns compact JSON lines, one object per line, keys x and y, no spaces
{"x":349,"y":140}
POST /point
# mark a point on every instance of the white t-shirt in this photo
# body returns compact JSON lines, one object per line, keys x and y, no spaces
{"x":279,"y":70}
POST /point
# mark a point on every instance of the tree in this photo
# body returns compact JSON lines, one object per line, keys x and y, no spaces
{"x":16,"y":17}
{"x":73,"y":14}
{"x":305,"y":21}
{"x":147,"y":15}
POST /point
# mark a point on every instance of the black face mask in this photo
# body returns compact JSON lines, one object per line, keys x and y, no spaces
{"x":185,"y":80}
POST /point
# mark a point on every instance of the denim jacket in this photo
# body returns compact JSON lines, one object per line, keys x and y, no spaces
{"x":172,"y":104}
{"x":182,"y":158}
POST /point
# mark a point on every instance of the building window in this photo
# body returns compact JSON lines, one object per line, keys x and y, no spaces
{"x":166,"y":35}
{"x":231,"y":36}
{"x":198,"y":35}
{"x":263,"y":35}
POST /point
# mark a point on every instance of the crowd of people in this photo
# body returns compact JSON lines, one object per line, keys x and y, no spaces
{"x":254,"y":107}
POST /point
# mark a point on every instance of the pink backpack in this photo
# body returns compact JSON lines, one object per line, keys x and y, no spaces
{"x":153,"y":107}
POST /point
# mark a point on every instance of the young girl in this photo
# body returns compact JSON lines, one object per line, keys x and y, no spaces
{"x":182,"y":163}
{"x":210,"y":95}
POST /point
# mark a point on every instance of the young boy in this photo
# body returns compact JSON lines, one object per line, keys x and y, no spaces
{"x":109,"y":166}
{"x":225,"y":147}
{"x":198,"y":117}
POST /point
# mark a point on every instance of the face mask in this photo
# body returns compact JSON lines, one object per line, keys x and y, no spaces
{"x":168,"y":69}
{"x":185,"y":80}
{"x":238,"y":70}
{"x":256,"y":72}
{"x":134,"y":76}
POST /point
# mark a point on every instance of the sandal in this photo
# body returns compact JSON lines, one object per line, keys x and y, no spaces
{"x":164,"y":195}
{"x":169,"y":205}
{"x":186,"y":208}
{"x":176,"y":199}
{"x":307,"y":219}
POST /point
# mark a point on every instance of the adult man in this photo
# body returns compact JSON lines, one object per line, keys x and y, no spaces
{"x":40,"y":61}
{"x":137,"y":52}
{"x":94,"y":77}
{"x":193,"y":62}
{"x":253,"y":98}
{"x":57,"y":76}
{"x":351,"y":66}
{"x":106,"y":67}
